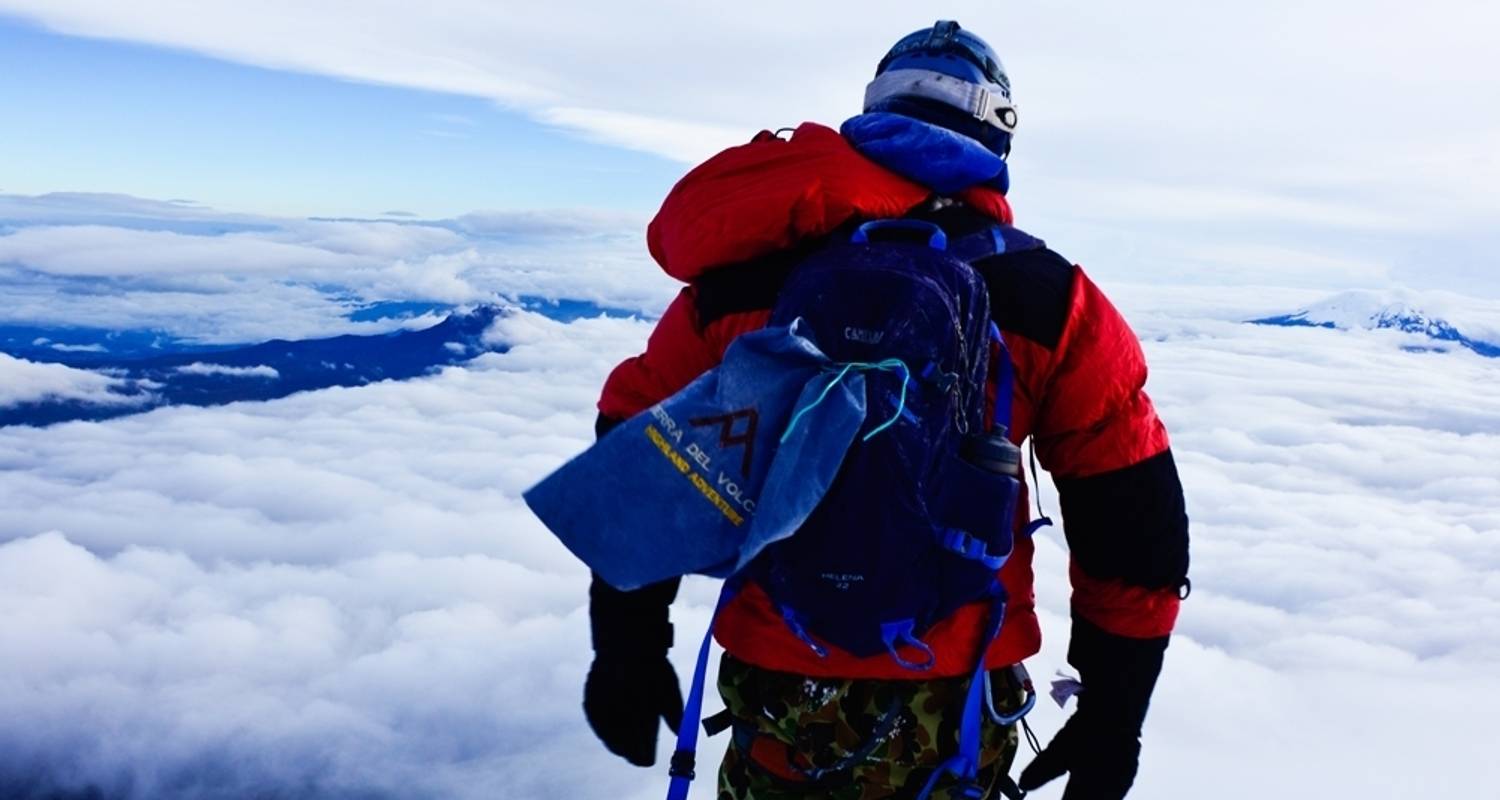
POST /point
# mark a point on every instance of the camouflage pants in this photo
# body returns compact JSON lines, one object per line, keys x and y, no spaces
{"x":797,"y":738}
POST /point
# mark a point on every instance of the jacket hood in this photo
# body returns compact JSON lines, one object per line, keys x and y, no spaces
{"x":771,"y":194}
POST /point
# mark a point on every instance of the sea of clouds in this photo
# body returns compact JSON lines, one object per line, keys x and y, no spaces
{"x":211,"y":277}
{"x":340,"y":594}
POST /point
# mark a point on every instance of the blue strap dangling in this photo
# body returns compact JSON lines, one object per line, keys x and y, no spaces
{"x":684,"y":758}
{"x":798,"y":627}
{"x":902,"y":633}
{"x":964,"y":767}
{"x":1004,"y":398}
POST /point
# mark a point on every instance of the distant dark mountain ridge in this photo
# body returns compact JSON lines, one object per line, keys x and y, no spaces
{"x":277,"y":368}
{"x":157,"y":369}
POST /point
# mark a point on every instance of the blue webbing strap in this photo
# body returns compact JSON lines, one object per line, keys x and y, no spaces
{"x":964,"y":545}
{"x":993,"y":241}
{"x":1005,"y":383}
{"x":965,"y":766}
{"x":902,"y":633}
{"x":1004,"y":396}
{"x":986,"y":243}
{"x":684,"y":758}
{"x":1042,"y":520}
{"x":798,"y":626}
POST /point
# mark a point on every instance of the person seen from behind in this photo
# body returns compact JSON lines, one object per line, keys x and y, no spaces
{"x":819,"y":722}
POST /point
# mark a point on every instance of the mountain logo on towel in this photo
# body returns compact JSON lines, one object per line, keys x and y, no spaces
{"x":728,"y":438}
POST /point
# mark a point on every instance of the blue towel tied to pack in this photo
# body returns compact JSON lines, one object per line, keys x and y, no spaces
{"x":702,"y":482}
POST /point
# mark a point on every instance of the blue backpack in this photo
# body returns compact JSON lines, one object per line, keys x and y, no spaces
{"x":914,"y":525}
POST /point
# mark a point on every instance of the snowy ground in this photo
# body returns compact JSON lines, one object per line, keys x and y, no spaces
{"x":340,"y":594}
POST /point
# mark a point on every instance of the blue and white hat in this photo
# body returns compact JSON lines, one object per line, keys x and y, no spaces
{"x":948,"y":77}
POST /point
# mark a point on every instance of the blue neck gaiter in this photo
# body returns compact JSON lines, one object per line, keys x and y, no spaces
{"x":933,"y":156}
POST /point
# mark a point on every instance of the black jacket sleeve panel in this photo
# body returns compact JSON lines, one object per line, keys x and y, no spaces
{"x":748,"y":286}
{"x":604,"y":424}
{"x":1030,"y":293}
{"x":1129,"y":524}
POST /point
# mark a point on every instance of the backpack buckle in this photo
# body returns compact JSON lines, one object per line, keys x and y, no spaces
{"x":965,"y":545}
{"x":683,"y":764}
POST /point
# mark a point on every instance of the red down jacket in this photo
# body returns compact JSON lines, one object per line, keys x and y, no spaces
{"x":1078,"y":393}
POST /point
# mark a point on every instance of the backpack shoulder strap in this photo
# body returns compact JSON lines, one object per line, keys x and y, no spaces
{"x":995,"y":240}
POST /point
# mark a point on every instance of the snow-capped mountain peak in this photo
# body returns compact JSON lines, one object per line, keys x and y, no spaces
{"x":1438,"y":316}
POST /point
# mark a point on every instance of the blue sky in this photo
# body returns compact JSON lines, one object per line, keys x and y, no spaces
{"x":1336,"y":144}
{"x":103,"y":116}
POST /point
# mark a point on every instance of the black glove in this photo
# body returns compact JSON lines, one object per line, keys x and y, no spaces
{"x":1100,"y":745}
{"x":631,"y":685}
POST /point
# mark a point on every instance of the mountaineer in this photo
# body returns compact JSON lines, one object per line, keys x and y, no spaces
{"x":809,"y":717}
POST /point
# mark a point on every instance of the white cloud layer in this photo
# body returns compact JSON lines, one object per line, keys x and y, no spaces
{"x":341,"y":594}
{"x":115,"y":262}
{"x":23,"y":381}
